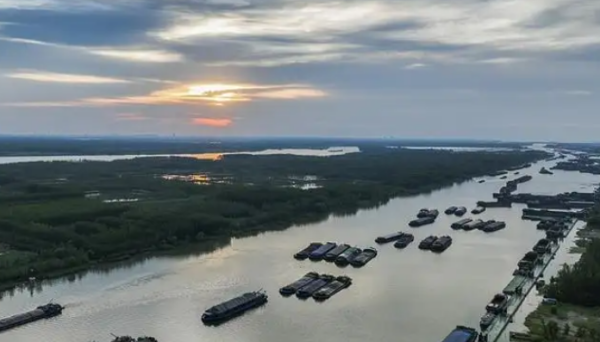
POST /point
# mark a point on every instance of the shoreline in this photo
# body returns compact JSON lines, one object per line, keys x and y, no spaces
{"x":563,"y":314}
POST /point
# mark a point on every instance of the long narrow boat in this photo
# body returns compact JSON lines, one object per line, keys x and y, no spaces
{"x":389,"y":238}
{"x":290,"y":289}
{"x":334,"y":253}
{"x":363,"y":258}
{"x":332,"y":288}
{"x":234,"y":307}
{"x":320,"y":252}
{"x":41,"y":312}
{"x":462,"y":334}
{"x":303,"y":254}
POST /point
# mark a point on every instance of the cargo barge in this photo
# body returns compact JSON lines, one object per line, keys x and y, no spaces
{"x":234,"y":307}
{"x":460,"y":224}
{"x":427,"y":242}
{"x":421,"y":221}
{"x":131,"y":339}
{"x":334,"y":253}
{"x":313,"y":287}
{"x":473,"y":224}
{"x":460,"y":211}
{"x":347,"y":256}
{"x":41,"y":312}
{"x":450,"y":210}
{"x":441,"y":244}
{"x":332,"y":288}
{"x":389,"y":238}
{"x":494,"y":204}
{"x":363,"y":258}
{"x":303,"y":254}
{"x":490,"y":227}
{"x":498,"y":305}
{"x":478,"y":210}
{"x":462,"y":334}
{"x":404,"y":241}
{"x":319,"y":253}
{"x":292,"y":288}
{"x":515,"y":286}
{"x":486,"y":321}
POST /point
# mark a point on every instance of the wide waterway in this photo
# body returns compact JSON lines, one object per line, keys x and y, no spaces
{"x":402,"y":295}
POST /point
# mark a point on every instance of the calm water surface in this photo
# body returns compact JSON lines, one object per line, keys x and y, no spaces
{"x":402,"y":295}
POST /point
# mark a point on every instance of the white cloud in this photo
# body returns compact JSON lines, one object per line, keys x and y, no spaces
{"x":42,"y":76}
{"x":138,"y":55}
{"x":414,"y":66}
{"x":578,"y":92}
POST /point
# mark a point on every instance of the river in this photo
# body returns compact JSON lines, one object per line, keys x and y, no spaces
{"x":402,"y":295}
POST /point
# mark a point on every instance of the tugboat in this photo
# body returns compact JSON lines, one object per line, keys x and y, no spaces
{"x":234,"y":307}
{"x":441,"y":244}
{"x":303,"y":254}
{"x":363,"y":258}
{"x":332,"y":288}
{"x":404,"y":241}
{"x":290,"y":289}
{"x":460,"y":211}
{"x":427,"y":242}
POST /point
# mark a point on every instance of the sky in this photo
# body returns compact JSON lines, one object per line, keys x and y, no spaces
{"x":500,"y":69}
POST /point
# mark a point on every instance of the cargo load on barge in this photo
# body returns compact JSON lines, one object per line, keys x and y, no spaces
{"x":441,"y":244}
{"x":478,"y":210}
{"x":303,"y":254}
{"x":427,"y":242}
{"x":490,"y":227}
{"x":311,"y":288}
{"x":347,"y":256}
{"x":334,"y":253}
{"x":290,"y":289}
{"x":363,"y":258}
{"x":460,"y":211}
{"x":319,"y":253}
{"x":474,"y":224}
{"x":462,"y":334}
{"x":234,"y":307}
{"x":41,"y":312}
{"x":494,"y":204}
{"x":486,"y":321}
{"x":332,"y":288}
{"x":450,"y":210}
{"x":542,"y":247}
{"x":404,"y":241}
{"x":515,"y":286}
{"x":421,"y":221}
{"x":388,"y":238}
{"x":461,"y":223}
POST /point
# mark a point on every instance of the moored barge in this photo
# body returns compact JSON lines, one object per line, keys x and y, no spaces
{"x":320,"y":252}
{"x":389,"y":238}
{"x":404,"y":241}
{"x":332,"y":288}
{"x":334,"y":253}
{"x":462,"y":334}
{"x":311,"y":288}
{"x":427,"y":242}
{"x":303,"y":254}
{"x":290,"y":289}
{"x":363,"y":258}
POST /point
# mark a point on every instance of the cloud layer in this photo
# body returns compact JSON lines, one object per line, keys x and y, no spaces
{"x":300,"y":67}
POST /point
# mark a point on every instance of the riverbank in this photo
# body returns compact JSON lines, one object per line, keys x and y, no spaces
{"x":574,"y":322}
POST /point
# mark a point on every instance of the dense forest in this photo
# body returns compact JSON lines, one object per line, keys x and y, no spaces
{"x":580,"y":284}
{"x":58,"y":216}
{"x":46,"y":146}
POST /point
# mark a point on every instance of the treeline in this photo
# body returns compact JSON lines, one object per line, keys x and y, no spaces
{"x":44,"y":213}
{"x":579,"y":284}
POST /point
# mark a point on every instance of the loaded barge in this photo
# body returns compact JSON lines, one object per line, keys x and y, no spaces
{"x":292,"y":288}
{"x":131,"y":339}
{"x":234,"y":307}
{"x":41,"y":312}
{"x":462,"y":334}
{"x":332,"y":288}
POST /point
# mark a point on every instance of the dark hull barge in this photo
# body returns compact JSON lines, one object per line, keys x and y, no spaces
{"x":475,"y":224}
{"x":234,"y":307}
{"x":41,"y":312}
{"x":494,"y":226}
{"x":319,"y":253}
{"x":427,"y":242}
{"x":460,"y":211}
{"x":404,"y":241}
{"x":450,"y":210}
{"x":461,"y":223}
{"x":478,"y":210}
{"x":131,"y":339}
{"x":462,"y":334}
{"x":441,"y":244}
{"x":332,"y":288}
{"x":421,"y":221}
{"x":348,"y":255}
{"x":363,"y":258}
{"x":290,"y":289}
{"x":334,"y":253}
{"x":389,"y":238}
{"x":313,"y":287}
{"x":303,"y":254}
